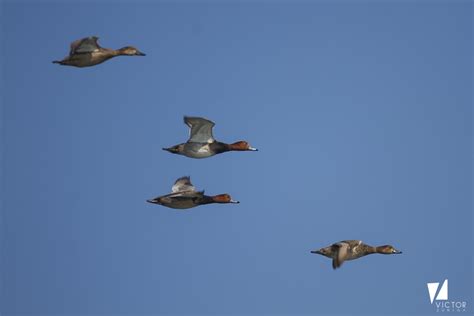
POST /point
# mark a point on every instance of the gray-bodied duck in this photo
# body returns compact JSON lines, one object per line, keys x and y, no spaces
{"x":352,"y":249}
{"x":87,"y":52}
{"x":184,"y":195}
{"x":201,"y":142}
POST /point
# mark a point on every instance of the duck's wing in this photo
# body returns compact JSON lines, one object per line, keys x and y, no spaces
{"x":352,"y":243}
{"x":201,"y":129}
{"x":340,"y":254}
{"x":182,"y":185}
{"x":184,"y":194}
{"x":84,"y":45}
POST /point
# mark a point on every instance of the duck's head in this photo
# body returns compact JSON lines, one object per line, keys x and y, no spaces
{"x":223,"y":198}
{"x":242,"y":146}
{"x":177,"y":149}
{"x":131,"y":51}
{"x":388,"y":250}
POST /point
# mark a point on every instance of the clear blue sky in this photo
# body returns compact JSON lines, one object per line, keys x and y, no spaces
{"x":362,"y":112}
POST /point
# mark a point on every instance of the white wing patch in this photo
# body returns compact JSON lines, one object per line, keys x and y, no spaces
{"x":204,"y":149}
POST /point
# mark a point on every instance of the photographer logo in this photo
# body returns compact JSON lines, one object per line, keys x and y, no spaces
{"x":439,"y":296}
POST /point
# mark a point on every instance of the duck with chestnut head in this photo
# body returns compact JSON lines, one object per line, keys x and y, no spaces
{"x":184,"y":195}
{"x":201,"y":142}
{"x":352,"y":249}
{"x":86,"y":52}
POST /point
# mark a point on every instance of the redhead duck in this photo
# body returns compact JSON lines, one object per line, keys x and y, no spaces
{"x":201,"y":143}
{"x":184,"y":195}
{"x":86,"y":52}
{"x":352,"y":249}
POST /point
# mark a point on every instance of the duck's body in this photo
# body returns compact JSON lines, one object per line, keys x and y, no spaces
{"x":86,"y":52}
{"x":184,"y":196}
{"x":201,"y":143}
{"x":183,"y":201}
{"x":352,"y":249}
{"x":201,"y":150}
{"x":87,"y":60}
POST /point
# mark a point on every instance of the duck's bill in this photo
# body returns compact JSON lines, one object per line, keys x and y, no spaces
{"x":253,"y":149}
{"x":154,"y":201}
{"x":234,"y":201}
{"x":316,"y":251}
{"x":397,"y":252}
{"x":138,"y":53}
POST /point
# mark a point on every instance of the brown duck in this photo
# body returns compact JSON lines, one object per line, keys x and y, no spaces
{"x":352,"y":249}
{"x":184,"y":195}
{"x":87,"y":52}
{"x":201,"y":142}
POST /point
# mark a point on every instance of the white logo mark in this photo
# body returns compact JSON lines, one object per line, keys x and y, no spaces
{"x":442,"y":294}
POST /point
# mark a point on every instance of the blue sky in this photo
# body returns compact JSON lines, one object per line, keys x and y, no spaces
{"x":362,"y":112}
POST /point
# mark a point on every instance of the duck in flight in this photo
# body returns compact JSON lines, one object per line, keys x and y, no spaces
{"x":352,"y":249}
{"x":184,"y":195}
{"x":201,"y":142}
{"x":87,"y":52}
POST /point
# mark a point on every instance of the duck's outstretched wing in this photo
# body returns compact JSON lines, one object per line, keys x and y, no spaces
{"x":184,"y":194}
{"x":84,"y":45}
{"x":201,"y":129}
{"x":352,"y":242}
{"x":340,"y":254}
{"x":183,"y":184}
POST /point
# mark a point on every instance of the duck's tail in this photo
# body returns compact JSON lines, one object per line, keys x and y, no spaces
{"x":154,"y":201}
{"x":57,"y":62}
